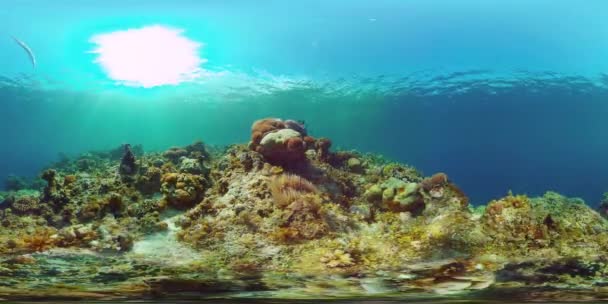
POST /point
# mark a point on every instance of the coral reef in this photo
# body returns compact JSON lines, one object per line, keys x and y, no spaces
{"x":175,"y":154}
{"x":99,"y":201}
{"x":280,"y":142}
{"x":286,"y":213}
{"x":149,"y":180}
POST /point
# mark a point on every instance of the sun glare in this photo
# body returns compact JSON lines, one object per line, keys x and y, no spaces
{"x":149,"y":56}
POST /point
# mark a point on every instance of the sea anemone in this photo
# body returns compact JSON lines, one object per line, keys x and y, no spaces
{"x":300,"y":206}
{"x":286,"y":188}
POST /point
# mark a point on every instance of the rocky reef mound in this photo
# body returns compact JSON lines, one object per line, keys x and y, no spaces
{"x":285,"y":213}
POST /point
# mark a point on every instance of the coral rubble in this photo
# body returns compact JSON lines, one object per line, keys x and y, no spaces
{"x":289,"y":214}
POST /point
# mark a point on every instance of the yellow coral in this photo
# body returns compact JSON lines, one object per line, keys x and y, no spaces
{"x":337,"y":259}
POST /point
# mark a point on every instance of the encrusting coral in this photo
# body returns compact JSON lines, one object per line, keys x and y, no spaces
{"x":287,"y":205}
{"x":182,"y":190}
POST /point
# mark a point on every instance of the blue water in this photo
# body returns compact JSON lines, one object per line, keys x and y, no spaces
{"x":500,"y":95}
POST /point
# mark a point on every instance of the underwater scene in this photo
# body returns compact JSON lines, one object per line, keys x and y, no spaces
{"x":233,"y":151}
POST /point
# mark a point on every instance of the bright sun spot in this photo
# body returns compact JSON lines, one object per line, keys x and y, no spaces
{"x":149,"y":56}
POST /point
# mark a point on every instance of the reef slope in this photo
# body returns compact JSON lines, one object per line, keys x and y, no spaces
{"x":285,"y":217}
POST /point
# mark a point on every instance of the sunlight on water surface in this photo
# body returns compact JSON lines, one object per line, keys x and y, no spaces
{"x":149,"y":56}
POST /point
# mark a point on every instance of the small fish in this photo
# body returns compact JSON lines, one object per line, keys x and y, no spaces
{"x":27,"y":49}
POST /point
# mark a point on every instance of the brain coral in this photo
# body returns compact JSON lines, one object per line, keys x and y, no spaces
{"x":280,"y":142}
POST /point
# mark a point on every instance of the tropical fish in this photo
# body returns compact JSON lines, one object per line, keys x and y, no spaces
{"x":27,"y":49}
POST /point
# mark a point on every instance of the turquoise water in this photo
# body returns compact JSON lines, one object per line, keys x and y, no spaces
{"x":500,"y":95}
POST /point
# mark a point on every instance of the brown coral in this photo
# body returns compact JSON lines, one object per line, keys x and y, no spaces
{"x":303,"y":218}
{"x":183,"y":190}
{"x":438,"y":180}
{"x":280,"y":142}
{"x":310,"y":142}
{"x":150,"y":181}
{"x":264,"y":126}
{"x":510,"y":219}
{"x":174,"y":154}
{"x":295,"y":144}
{"x":197,"y":148}
{"x":25,"y":205}
{"x":323,"y":145}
